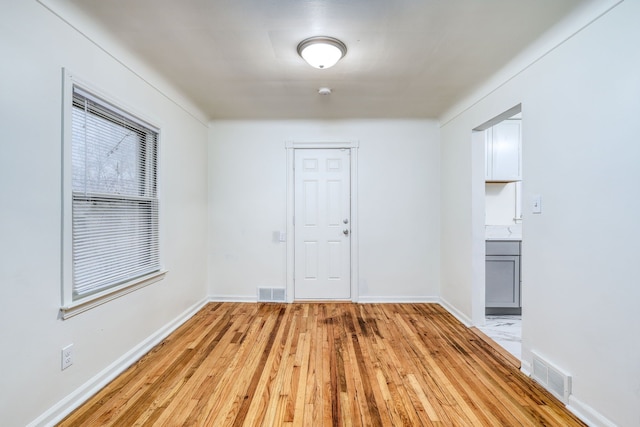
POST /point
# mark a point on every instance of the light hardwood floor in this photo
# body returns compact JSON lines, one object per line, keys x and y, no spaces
{"x":328,"y":364}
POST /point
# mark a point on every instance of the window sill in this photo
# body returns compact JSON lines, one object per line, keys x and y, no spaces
{"x":92,"y":301}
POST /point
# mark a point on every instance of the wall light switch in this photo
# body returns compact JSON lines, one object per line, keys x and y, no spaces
{"x":282,"y":236}
{"x":536,"y":204}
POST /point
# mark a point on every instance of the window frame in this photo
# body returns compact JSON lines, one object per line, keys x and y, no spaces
{"x":71,"y":306}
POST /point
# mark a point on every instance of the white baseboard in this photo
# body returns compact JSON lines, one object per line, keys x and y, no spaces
{"x":361,"y":299}
{"x":580,"y":409}
{"x":63,"y":408}
{"x":466,"y":321}
{"x":233,"y":298}
{"x":587,"y":414}
{"x":396,"y":300}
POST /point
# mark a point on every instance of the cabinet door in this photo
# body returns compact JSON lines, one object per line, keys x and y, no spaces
{"x":503,"y":152}
{"x":502,"y":281}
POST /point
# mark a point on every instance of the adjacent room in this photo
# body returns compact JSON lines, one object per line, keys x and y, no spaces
{"x":426,"y":225}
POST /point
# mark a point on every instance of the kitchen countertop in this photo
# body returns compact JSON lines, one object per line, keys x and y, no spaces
{"x":512,"y":238}
{"x":503,"y":232}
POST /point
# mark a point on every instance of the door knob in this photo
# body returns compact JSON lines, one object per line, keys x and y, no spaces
{"x":346,"y":220}
{"x":345,"y":232}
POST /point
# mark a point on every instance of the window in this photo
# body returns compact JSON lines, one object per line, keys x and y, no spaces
{"x":113,"y":226}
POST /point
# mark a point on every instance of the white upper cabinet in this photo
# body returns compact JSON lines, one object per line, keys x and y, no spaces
{"x":504,"y":152}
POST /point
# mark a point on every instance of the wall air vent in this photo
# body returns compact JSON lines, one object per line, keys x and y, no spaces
{"x":552,"y":378}
{"x":271,"y":295}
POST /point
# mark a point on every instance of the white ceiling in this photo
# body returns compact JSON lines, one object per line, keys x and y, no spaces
{"x":237,"y":59}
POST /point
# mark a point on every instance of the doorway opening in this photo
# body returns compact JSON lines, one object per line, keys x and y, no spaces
{"x":498,"y":292}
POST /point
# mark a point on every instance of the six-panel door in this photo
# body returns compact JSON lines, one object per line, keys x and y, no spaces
{"x":322,"y":224}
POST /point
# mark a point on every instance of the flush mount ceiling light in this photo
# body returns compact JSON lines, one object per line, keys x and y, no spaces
{"x":322,"y":52}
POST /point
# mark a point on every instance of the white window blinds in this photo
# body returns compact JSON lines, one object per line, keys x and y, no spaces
{"x":114,"y":196}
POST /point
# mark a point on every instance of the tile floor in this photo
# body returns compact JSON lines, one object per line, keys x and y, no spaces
{"x":506,"y":331}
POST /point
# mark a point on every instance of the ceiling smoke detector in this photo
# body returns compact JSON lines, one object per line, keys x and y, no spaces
{"x":324,"y":91}
{"x":322,"y":52}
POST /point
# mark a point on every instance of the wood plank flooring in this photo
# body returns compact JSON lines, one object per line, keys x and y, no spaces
{"x":322,"y":364}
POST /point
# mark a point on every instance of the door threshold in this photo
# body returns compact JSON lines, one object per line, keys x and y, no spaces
{"x":510,"y":358}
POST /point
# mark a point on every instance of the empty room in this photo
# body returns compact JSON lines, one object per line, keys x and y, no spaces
{"x":319,"y":212}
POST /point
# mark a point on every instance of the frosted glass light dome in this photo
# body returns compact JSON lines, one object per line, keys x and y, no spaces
{"x":322,"y":52}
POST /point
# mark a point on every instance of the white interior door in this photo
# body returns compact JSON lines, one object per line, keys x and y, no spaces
{"x":322,"y":224}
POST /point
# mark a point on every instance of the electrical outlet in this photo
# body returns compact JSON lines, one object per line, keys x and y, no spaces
{"x":67,"y":356}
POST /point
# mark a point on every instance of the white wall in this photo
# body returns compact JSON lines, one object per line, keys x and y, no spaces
{"x":398,"y":183}
{"x":35,"y":45}
{"x":580,"y":104}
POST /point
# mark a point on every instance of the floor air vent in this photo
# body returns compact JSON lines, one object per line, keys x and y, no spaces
{"x":271,"y":295}
{"x":552,"y":378}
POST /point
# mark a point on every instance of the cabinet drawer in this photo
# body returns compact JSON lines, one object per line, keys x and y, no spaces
{"x":502,"y":247}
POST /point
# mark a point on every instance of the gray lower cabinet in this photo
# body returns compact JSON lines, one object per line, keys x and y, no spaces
{"x":502,"y":277}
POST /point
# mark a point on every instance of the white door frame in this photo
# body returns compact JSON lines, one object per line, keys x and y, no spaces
{"x":352,"y":146}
